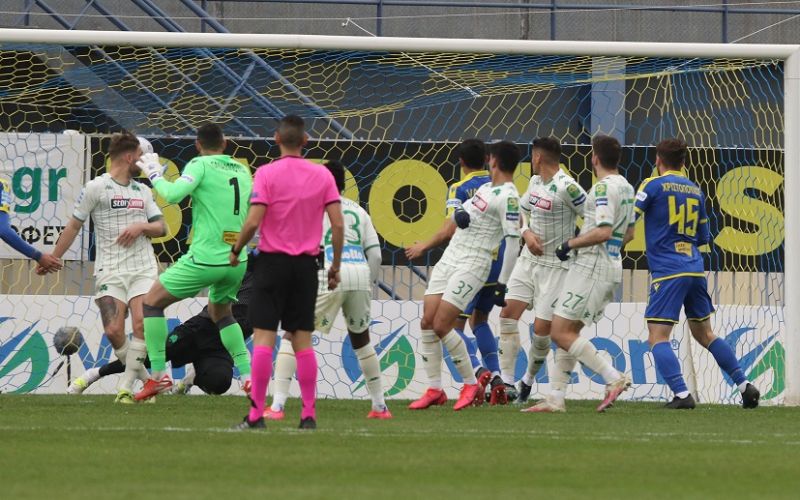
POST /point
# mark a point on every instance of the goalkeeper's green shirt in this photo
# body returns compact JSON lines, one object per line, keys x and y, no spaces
{"x":220,"y":188}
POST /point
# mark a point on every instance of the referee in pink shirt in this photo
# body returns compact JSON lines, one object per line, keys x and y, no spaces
{"x":290,"y":197}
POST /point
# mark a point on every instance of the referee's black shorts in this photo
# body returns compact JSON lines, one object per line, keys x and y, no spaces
{"x":284,"y":292}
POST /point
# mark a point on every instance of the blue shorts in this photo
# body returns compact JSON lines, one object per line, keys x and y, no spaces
{"x":484,"y":301}
{"x":669,"y":295}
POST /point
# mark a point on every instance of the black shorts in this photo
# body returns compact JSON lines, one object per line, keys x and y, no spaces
{"x":284,"y":292}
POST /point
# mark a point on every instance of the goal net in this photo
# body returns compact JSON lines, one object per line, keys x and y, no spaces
{"x":394,"y":118}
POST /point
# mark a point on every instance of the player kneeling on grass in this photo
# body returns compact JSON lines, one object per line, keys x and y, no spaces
{"x":593,"y":277}
{"x":483,"y":222}
{"x":125,"y":217}
{"x":676,"y":224}
{"x":361,"y":261}
{"x":196,"y":344}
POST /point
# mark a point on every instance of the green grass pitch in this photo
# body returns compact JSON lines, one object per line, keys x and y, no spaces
{"x":62,"y":447}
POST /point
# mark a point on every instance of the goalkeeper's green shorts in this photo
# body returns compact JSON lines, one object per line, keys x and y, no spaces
{"x":186,"y":279}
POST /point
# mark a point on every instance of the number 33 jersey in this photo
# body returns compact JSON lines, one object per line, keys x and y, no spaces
{"x":359,"y":236}
{"x":675,"y":224}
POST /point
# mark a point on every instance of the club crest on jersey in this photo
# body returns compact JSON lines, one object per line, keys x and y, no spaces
{"x":479,"y":202}
{"x":129,"y":203}
{"x":541,"y":203}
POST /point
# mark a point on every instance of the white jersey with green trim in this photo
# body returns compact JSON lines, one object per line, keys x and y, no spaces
{"x":114,"y":207}
{"x":609,"y":203}
{"x":552,"y":210}
{"x":359,"y":236}
{"x":494,"y":215}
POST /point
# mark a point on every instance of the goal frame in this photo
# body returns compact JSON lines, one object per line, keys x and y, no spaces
{"x":789,"y":54}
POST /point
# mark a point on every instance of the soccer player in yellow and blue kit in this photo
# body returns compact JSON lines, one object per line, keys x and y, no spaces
{"x":676,"y":225}
{"x":47,"y":262}
{"x":472,"y":159}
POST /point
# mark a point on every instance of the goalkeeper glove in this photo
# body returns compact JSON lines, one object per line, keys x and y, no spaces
{"x":500,"y":295}
{"x":563,"y":250}
{"x":462,"y":218}
{"x":150,"y":166}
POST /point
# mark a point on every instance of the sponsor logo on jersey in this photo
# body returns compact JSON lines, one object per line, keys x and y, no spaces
{"x":351,"y":254}
{"x":541,"y":203}
{"x":641,"y":196}
{"x":129,"y":203}
{"x":600,"y":190}
{"x":479,"y":202}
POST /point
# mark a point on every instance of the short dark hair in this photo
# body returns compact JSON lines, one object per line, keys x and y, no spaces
{"x":210,"y":136}
{"x":550,"y":146}
{"x":292,"y":131}
{"x":473,"y":153}
{"x":608,"y":150}
{"x":336,"y":168}
{"x":507,"y":154}
{"x":673,"y":152}
{"x":122,"y":142}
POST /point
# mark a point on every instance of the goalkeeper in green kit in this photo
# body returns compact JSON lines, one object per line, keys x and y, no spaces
{"x":220,"y":190}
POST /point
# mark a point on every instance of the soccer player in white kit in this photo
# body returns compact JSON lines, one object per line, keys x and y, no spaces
{"x":552,"y":203}
{"x":361,"y":262}
{"x":483,"y":222}
{"x":125,"y":217}
{"x":593,"y":277}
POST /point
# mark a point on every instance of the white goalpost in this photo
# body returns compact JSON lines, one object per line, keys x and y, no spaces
{"x":367,"y":131}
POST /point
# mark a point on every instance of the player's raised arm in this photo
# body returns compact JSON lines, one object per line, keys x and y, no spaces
{"x":172,"y":192}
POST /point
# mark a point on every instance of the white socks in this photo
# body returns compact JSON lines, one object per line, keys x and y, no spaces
{"x":508,"y":348}
{"x":285,"y":366}
{"x":370,"y":367}
{"x":136,"y":352}
{"x":537,"y":355}
{"x":585,"y":352}
{"x":460,"y":356}
{"x":564,"y":364}
{"x":431,"y":351}
{"x":121,"y":352}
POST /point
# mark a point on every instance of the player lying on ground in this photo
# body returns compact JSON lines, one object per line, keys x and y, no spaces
{"x":472,"y":160}
{"x":592,"y":278}
{"x":125,"y":217}
{"x":491,"y":216}
{"x":47,"y":262}
{"x":220,"y":189}
{"x":196,"y":344}
{"x":676,"y":225}
{"x":361,"y":261}
{"x":551,"y":204}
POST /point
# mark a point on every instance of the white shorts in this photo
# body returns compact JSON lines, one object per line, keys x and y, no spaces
{"x":536,"y":285}
{"x":583,"y":298}
{"x":355,"y":305}
{"x":124,"y":286}
{"x":457,"y":286}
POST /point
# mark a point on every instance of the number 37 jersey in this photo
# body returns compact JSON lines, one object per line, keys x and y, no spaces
{"x":675,"y":223}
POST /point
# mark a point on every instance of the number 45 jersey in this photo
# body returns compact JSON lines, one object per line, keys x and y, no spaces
{"x":675,"y":224}
{"x":359,"y":236}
